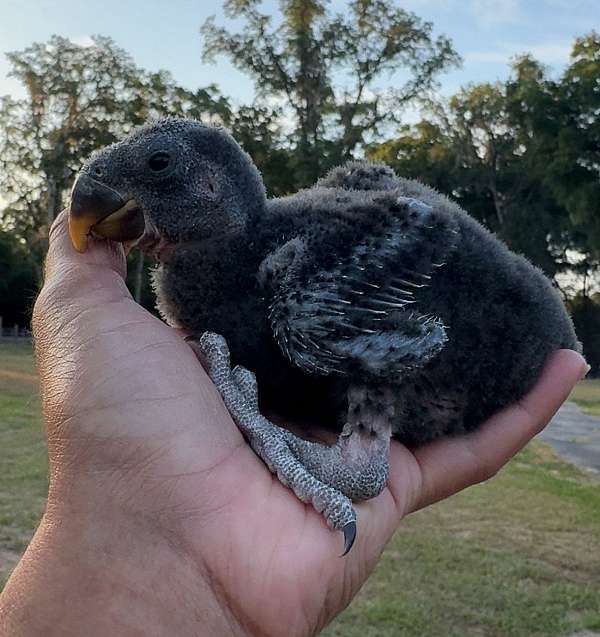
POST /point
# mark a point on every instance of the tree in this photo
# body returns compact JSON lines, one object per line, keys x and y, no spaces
{"x":79,"y":99}
{"x":479,"y":149}
{"x":573,"y":168}
{"x":18,"y":281}
{"x":420,"y":151}
{"x":523,"y":157}
{"x":323,"y":69}
{"x":258,"y":130}
{"x":585,"y":311}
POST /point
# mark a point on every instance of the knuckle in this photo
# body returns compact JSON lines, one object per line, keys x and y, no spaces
{"x":43,"y":308}
{"x":49,"y":301}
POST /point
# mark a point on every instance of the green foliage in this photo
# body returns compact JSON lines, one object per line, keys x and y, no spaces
{"x":585,"y":311}
{"x":79,"y":99}
{"x":519,"y":156}
{"x":574,"y":170}
{"x":473,"y":150}
{"x":258,"y":130}
{"x":420,"y":152}
{"x":587,"y":396}
{"x":18,"y":281}
{"x":299,"y":62}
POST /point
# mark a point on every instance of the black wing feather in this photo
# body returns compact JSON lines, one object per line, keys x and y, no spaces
{"x":361,"y":313}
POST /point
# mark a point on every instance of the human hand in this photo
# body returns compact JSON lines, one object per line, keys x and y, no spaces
{"x":161,"y":520}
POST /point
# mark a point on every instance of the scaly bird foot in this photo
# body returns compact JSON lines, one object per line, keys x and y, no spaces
{"x":239,"y":393}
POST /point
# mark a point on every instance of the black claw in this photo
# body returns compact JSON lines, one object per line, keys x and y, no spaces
{"x":349,"y":536}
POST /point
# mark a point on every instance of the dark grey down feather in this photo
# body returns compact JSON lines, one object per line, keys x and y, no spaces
{"x":366,"y":298}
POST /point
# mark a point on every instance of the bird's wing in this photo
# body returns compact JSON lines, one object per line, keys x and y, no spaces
{"x":362,"y":311}
{"x":361,"y":175}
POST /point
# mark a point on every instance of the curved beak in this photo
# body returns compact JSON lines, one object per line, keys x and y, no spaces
{"x":98,"y":207}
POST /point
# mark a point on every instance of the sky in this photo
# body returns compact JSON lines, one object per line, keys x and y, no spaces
{"x":165,"y":34}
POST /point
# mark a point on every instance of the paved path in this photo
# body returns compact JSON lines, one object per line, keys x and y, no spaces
{"x":576,"y":437}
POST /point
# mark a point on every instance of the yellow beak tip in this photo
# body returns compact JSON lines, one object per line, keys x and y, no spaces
{"x":78,"y":232}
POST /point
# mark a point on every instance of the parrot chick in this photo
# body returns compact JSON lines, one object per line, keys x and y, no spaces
{"x":368,"y":303}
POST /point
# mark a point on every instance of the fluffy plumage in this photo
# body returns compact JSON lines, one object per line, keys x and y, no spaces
{"x":368,"y":303}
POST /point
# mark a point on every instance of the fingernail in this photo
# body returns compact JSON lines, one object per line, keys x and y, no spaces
{"x":586,"y":369}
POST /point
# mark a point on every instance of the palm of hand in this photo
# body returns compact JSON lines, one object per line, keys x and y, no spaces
{"x":126,"y":397}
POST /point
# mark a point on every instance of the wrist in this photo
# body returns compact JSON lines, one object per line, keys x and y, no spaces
{"x":110,"y":574}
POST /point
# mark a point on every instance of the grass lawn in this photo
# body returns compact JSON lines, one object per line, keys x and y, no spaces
{"x":23,"y":482}
{"x":587,"y":396}
{"x":516,"y":557}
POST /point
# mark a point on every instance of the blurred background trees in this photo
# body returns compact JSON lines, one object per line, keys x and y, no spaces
{"x":522,"y":156}
{"x":321,"y":68}
{"x":78,"y":99}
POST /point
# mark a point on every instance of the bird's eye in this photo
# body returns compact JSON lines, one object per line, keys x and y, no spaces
{"x":159,"y":161}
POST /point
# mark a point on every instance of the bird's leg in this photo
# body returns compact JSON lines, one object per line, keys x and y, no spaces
{"x":357,"y":465}
{"x":238,"y":391}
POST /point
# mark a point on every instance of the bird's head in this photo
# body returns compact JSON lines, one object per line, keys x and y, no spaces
{"x":169,"y":182}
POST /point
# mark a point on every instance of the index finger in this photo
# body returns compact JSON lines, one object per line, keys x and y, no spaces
{"x":452,"y":464}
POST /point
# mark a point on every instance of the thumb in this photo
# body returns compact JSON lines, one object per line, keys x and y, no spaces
{"x":79,"y":297}
{"x":104,"y":259}
{"x":74,"y":282}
